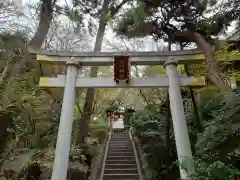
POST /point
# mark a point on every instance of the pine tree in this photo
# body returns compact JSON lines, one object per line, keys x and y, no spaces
{"x":183,"y":21}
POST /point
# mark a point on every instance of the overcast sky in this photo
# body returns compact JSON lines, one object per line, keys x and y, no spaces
{"x":25,"y":2}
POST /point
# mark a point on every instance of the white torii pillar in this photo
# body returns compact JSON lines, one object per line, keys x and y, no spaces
{"x":186,"y":163}
{"x":60,"y":165}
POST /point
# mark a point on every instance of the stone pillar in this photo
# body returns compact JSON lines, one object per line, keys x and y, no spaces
{"x":186,"y":164}
{"x":60,"y":165}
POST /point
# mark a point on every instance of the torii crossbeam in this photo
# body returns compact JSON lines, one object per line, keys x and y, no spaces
{"x":160,"y":81}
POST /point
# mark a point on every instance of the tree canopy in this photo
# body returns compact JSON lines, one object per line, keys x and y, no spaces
{"x":172,"y":19}
{"x":183,"y":22}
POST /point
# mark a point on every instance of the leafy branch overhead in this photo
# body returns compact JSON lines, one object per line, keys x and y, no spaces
{"x":92,"y":10}
{"x":172,"y":19}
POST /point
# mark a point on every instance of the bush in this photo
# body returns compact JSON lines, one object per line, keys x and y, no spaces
{"x":215,"y":171}
{"x":150,"y":127}
{"x":99,"y":131}
{"x":221,"y":134}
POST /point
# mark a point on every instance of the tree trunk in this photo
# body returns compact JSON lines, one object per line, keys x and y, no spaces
{"x":5,"y":71}
{"x":46,"y":16}
{"x":88,"y":105}
{"x":168,"y":140}
{"x":213,"y":72}
{"x":141,"y":93}
{"x":194,"y":103}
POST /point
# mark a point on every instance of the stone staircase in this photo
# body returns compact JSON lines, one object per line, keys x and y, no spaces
{"x":120,"y":162}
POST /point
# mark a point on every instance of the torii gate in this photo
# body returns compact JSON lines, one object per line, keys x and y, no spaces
{"x":74,"y":61}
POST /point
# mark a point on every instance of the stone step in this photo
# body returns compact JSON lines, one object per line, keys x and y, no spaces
{"x":129,"y":144}
{"x":120,"y":134}
{"x":121,"y":171}
{"x":120,"y":150}
{"x":120,"y":166}
{"x":126,"y":137}
{"x":121,"y":161}
{"x":120,"y":139}
{"x":120,"y":177}
{"x":120,"y":157}
{"x":118,"y":142}
{"x":119,"y":147}
{"x":120,"y":131}
{"x":120,"y":153}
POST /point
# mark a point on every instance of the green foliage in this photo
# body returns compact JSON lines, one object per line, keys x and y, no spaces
{"x":168,"y":19}
{"x":206,"y":94}
{"x":77,"y":153}
{"x":215,"y":171}
{"x":92,"y":10}
{"x":221,"y":134}
{"x":223,"y":53}
{"x":99,"y":131}
{"x":26,"y":106}
{"x":226,"y":57}
{"x":149,"y":126}
{"x":114,"y":106}
{"x":217,"y":147}
{"x":154,"y":70}
{"x":40,"y":143}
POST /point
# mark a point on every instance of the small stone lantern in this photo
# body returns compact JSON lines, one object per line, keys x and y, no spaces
{"x":128,"y":113}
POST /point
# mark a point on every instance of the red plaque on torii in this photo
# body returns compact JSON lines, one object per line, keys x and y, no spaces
{"x":122,"y":69}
